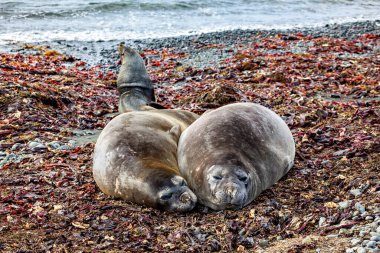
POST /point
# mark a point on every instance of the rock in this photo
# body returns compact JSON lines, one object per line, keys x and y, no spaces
{"x":364,"y":214}
{"x":33,"y":144}
{"x":332,"y":236}
{"x":371,"y":244}
{"x":350,"y":250}
{"x":344,"y":204}
{"x":16,"y":146}
{"x":360,"y":207}
{"x":375,"y":238}
{"x":344,"y":231}
{"x":64,"y":147}
{"x":307,"y":240}
{"x":361,"y":250}
{"x":263,"y":243}
{"x":378,"y":230}
{"x":355,"y":241}
{"x":368,"y":217}
{"x":72,"y":143}
{"x":36,"y":146}
{"x":374,"y":234}
{"x":321,"y":221}
{"x":3,"y":154}
{"x":11,"y":158}
{"x":356,"y":192}
{"x":54,"y":144}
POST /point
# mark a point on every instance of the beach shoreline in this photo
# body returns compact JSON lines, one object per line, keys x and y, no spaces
{"x":105,"y":53}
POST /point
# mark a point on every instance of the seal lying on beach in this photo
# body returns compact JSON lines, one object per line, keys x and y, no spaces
{"x":133,"y":83}
{"x":135,"y":158}
{"x":230,"y":155}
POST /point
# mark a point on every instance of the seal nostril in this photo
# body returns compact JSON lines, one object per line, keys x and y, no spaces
{"x":185,"y":197}
{"x":230,"y":190}
{"x":217,"y":177}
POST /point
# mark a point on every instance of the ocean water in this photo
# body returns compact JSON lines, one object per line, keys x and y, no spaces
{"x":92,"y":20}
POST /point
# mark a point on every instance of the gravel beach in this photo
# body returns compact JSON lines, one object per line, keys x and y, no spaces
{"x":323,"y":81}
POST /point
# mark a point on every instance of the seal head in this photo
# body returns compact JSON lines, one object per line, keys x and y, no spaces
{"x":133,"y":83}
{"x":228,"y":185}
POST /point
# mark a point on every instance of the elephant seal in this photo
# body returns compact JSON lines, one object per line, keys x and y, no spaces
{"x":135,"y":158}
{"x":230,"y":155}
{"x":133,"y":83}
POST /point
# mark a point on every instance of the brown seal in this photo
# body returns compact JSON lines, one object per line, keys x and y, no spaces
{"x":230,"y":155}
{"x":133,"y":83}
{"x":135,"y":158}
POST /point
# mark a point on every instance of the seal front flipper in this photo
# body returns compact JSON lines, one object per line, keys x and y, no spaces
{"x":133,"y":83}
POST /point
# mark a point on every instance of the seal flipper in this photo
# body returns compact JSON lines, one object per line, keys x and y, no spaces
{"x":175,"y":131}
{"x":133,"y":83}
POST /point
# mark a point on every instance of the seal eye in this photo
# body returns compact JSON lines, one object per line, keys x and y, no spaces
{"x":217,"y":177}
{"x":166,"y":196}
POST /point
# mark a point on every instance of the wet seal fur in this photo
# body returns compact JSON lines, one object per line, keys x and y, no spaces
{"x":133,"y":83}
{"x":230,"y":155}
{"x":135,"y":159}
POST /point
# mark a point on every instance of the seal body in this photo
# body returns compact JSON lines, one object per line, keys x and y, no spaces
{"x":135,"y":158}
{"x":230,"y":155}
{"x":133,"y":83}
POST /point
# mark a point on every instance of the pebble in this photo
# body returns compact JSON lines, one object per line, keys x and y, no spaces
{"x":332,"y":236}
{"x":55,"y":144}
{"x":3,"y":154}
{"x":356,"y":192}
{"x":371,"y":244}
{"x":11,"y":158}
{"x":307,"y":240}
{"x":369,"y":217}
{"x":344,"y":231}
{"x":361,"y":250}
{"x":321,"y":221}
{"x":16,"y":146}
{"x":355,"y":241}
{"x":263,"y":243}
{"x":36,"y":146}
{"x":72,"y":143}
{"x":344,"y":204}
{"x":374,"y":234}
{"x":378,"y":230}
{"x":360,"y":207}
{"x":364,"y":243}
{"x":64,"y":147}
